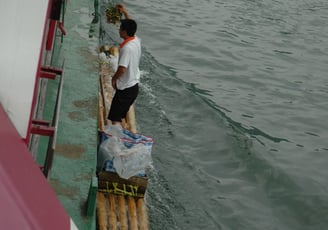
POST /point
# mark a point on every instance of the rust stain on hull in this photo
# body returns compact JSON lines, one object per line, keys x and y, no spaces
{"x":68,"y":191}
{"x":90,"y":105}
{"x":70,"y":151}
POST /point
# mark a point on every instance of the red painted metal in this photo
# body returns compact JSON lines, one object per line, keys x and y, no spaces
{"x":41,"y":122}
{"x":51,"y":34}
{"x":61,"y":28}
{"x":43,"y":130}
{"x":26,"y":198}
{"x":44,"y":74}
{"x":52,"y":69}
{"x":37,"y":76}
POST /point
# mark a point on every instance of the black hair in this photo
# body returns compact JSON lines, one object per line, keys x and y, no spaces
{"x":130,"y":26}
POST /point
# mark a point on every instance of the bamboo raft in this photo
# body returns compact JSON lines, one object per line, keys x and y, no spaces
{"x":120,"y":202}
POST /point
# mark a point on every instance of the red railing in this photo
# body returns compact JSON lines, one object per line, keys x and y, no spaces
{"x":49,"y":128}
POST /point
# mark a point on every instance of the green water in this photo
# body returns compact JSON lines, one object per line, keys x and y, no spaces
{"x":234,"y":94}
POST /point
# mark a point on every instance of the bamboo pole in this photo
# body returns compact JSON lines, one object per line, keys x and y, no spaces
{"x":122,"y":212}
{"x":100,"y":113}
{"x":112,"y":212}
{"x":132,"y":213}
{"x":105,"y":100}
{"x":101,"y":210}
{"x":142,"y":214}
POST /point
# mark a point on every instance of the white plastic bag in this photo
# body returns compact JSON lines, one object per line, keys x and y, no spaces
{"x":113,"y":63}
{"x":132,"y":161}
{"x":110,"y":147}
{"x":123,"y":152}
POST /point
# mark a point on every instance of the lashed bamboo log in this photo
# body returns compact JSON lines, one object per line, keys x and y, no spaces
{"x":112,"y":212}
{"x":132,"y":213}
{"x":101,"y":211}
{"x":100,"y":113}
{"x":122,"y":212}
{"x":142,"y":214}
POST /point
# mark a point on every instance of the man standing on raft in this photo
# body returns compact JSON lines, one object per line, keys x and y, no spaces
{"x":126,"y":78}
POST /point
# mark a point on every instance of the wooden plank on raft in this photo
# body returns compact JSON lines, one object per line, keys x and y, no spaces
{"x":110,"y":182}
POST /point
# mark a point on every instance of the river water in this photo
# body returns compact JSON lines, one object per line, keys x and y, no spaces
{"x":235,"y":95}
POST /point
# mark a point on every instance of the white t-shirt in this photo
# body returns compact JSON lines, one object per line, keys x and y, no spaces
{"x":129,"y":58}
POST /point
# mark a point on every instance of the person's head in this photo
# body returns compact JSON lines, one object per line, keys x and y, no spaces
{"x":129,"y":26}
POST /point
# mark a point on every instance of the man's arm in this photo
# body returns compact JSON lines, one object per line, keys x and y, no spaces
{"x":117,"y":75}
{"x":123,"y":10}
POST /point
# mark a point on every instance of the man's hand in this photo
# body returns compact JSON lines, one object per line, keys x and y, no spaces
{"x":117,"y":75}
{"x":121,"y":8}
{"x":114,"y":84}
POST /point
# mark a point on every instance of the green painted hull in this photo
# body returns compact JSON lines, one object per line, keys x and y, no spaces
{"x":76,"y":148}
